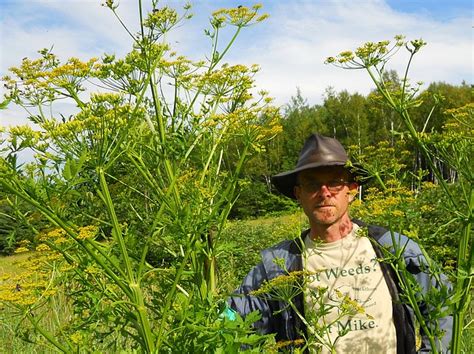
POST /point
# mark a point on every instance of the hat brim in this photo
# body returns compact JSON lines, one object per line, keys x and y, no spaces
{"x":285,"y":182}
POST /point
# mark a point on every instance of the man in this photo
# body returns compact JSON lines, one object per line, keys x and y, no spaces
{"x":350,"y":302}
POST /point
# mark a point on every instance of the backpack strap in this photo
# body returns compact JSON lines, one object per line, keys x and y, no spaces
{"x":375,"y":232}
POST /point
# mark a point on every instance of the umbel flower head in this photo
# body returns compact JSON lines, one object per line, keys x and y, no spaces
{"x":284,"y":287}
{"x":372,"y":53}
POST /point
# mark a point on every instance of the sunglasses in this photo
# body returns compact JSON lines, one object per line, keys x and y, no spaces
{"x":333,"y":186}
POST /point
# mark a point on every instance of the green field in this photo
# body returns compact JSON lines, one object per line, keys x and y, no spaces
{"x":10,"y":264}
{"x":242,"y":239}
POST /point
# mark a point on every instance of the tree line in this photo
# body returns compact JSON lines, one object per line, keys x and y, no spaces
{"x":364,"y":125}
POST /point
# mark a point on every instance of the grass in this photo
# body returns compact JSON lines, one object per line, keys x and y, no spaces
{"x":10,"y":264}
{"x":15,"y":334}
{"x":242,"y":241}
{"x":9,"y":342}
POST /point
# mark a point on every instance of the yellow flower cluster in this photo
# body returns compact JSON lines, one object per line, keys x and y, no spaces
{"x":459,"y":127}
{"x":104,"y":116}
{"x":24,"y":288}
{"x":200,"y":193}
{"x":41,"y":80}
{"x":180,"y":68}
{"x":71,"y":71}
{"x":36,"y":280}
{"x":56,"y":236}
{"x":162,"y":19}
{"x":390,"y":203}
{"x":349,"y":306}
{"x":369,"y":54}
{"x":21,"y":250}
{"x":76,"y":337}
{"x":378,"y":159}
{"x":240,"y":16}
{"x":226,"y":81}
{"x":463,"y":114}
{"x":371,"y":49}
{"x":253,"y":125}
{"x":25,"y":131}
{"x":111,"y":4}
{"x":415,"y":45}
{"x":287,"y":343}
{"x":284,"y":287}
{"x":59,"y":237}
{"x":87,"y":232}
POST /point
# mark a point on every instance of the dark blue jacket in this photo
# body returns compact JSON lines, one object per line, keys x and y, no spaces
{"x":278,"y":318}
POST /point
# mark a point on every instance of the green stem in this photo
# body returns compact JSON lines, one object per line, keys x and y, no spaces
{"x":137,"y":161}
{"x":123,"y":24}
{"x":213,"y":64}
{"x":51,"y":216}
{"x":137,"y":296}
{"x":40,"y":110}
{"x":49,"y":336}
{"x":463,"y":284}
{"x":138,"y":102}
{"x":144,"y":328}
{"x":172,"y":181}
{"x":428,"y":156}
{"x":310,"y":328}
{"x":211,"y":154}
{"x":75,"y":97}
{"x":402,"y":111}
{"x":157,"y":109}
{"x":169,"y":299}
{"x":405,"y":77}
{"x":57,"y":221}
{"x":231,"y":42}
{"x":140,"y":13}
{"x":399,"y":266}
{"x":380,"y":181}
{"x":116,"y":228}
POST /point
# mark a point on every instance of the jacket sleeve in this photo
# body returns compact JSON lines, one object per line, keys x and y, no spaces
{"x":418,"y":267}
{"x":244,"y":303}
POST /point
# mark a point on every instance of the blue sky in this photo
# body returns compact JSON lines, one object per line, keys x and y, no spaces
{"x":290,"y":46}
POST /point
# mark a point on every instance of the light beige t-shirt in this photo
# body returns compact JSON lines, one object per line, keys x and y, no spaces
{"x":349,"y":267}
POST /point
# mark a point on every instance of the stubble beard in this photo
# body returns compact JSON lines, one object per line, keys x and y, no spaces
{"x":327,"y":216}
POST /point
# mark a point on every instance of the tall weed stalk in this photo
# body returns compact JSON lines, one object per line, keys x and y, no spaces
{"x":150,"y":161}
{"x":454,"y":147}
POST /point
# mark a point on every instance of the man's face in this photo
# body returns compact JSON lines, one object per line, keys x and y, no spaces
{"x":325,"y":194}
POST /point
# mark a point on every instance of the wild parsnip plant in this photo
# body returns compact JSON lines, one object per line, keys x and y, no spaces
{"x":286,"y":288}
{"x":455,"y":148}
{"x":137,"y":184}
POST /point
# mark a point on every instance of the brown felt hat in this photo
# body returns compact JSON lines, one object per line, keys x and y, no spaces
{"x":318,"y":151}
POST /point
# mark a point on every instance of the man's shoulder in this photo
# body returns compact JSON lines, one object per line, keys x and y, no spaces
{"x":393,"y":241}
{"x":293,"y":246}
{"x":283,"y":247}
{"x":289,"y":251}
{"x":374,"y":231}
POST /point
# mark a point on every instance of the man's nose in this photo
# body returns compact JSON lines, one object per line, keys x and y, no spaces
{"x":324,"y":190}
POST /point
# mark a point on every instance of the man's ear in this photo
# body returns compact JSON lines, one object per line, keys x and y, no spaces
{"x":353,"y":188}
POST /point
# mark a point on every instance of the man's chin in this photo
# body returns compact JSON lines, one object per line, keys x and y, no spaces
{"x":325,"y":215}
{"x":327,"y":221}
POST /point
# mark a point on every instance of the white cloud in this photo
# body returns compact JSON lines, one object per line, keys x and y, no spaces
{"x":290,"y":47}
{"x":305,"y":33}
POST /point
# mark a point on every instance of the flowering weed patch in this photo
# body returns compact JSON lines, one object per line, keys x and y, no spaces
{"x":28,"y":290}
{"x":135,"y":188}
